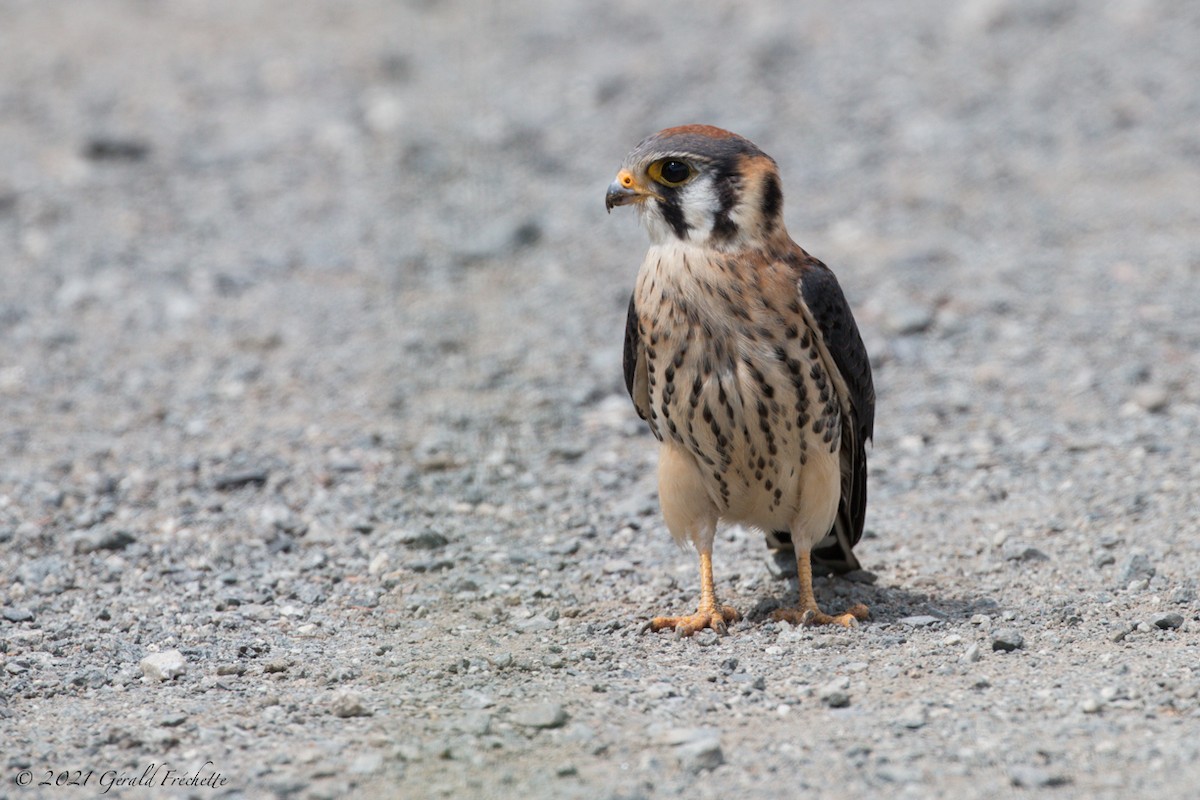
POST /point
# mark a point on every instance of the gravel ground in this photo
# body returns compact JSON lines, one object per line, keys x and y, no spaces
{"x":316,"y":468}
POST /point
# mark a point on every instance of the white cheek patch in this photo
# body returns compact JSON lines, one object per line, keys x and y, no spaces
{"x":699,"y":202}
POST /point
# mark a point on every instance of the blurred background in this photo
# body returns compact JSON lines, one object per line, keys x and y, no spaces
{"x":216,"y":217}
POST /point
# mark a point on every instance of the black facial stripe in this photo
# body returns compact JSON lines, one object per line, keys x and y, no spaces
{"x":771,"y":201}
{"x":673,"y":214}
{"x":728,"y":184}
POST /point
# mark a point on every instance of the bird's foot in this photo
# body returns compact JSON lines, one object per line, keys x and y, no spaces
{"x":716,"y":618}
{"x":815,"y":616}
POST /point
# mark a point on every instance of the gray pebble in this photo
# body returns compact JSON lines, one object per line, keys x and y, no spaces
{"x":1030,"y":777}
{"x":535,"y":624}
{"x":163,"y":666}
{"x":93,"y":678}
{"x":905,"y":318}
{"x":835,"y":694}
{"x":912,"y":716}
{"x":349,"y":703}
{"x":1007,"y":639}
{"x":1152,"y":398}
{"x":972,"y":654}
{"x":1022,"y":551}
{"x":17,"y":614}
{"x":542,"y":715}
{"x":96,"y":539}
{"x":239,"y":478}
{"x":1119,"y":631}
{"x":366,"y":764}
{"x":919,"y":621}
{"x":698,"y":749}
{"x":422,"y":540}
{"x":1171,"y":621}
{"x":473,"y":699}
{"x":706,"y":638}
{"x":476,"y":723}
{"x":1135,"y":567}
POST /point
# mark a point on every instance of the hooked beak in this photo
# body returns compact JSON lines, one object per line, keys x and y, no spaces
{"x":624,"y":190}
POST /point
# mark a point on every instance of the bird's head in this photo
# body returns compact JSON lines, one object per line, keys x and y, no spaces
{"x":704,"y":185}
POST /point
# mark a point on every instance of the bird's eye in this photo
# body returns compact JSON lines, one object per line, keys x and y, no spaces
{"x":670,"y":172}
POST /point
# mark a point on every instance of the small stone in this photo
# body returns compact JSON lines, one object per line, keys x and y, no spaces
{"x":617,"y":565}
{"x":1152,"y":398}
{"x":542,"y":715}
{"x":17,"y":614}
{"x":1135,"y":567}
{"x":912,"y":717}
{"x":474,"y":699}
{"x":88,"y":677}
{"x":835,"y":694}
{"x":173,"y":720}
{"x":698,"y":749}
{"x":163,"y":666}
{"x":566,"y":770}
{"x":476,"y":723}
{"x":239,"y":478}
{"x":706,"y":638}
{"x":1022,"y":551}
{"x":1091,"y":705}
{"x":1036,"y":778}
{"x":111,"y":148}
{"x":1171,"y":621}
{"x":379,"y":563}
{"x":919,"y":621}
{"x":906,"y":318}
{"x":535,"y":624}
{"x":1007,"y":640}
{"x":97,"y":539}
{"x":348,"y":703}
{"x":366,"y":764}
{"x":423,"y":540}
{"x":972,"y":654}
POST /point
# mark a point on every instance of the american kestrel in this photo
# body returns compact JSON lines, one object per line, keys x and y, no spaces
{"x":744,"y":358}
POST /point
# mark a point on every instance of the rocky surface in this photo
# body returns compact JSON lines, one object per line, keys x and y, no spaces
{"x":317,"y":473}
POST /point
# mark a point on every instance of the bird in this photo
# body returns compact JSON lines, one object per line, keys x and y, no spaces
{"x":743,"y":356}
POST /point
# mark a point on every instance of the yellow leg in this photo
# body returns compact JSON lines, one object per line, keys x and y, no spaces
{"x":808,"y":612}
{"x":708,"y":615}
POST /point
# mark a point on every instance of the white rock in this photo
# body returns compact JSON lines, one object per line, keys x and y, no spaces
{"x":164,"y":666}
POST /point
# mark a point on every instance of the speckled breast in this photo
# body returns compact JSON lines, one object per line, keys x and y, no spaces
{"x":738,"y":381}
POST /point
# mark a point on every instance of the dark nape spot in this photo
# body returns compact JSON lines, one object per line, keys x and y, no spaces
{"x":771,"y":200}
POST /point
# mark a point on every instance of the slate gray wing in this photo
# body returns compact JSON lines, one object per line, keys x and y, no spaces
{"x":635,"y":364}
{"x":826,"y":302}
